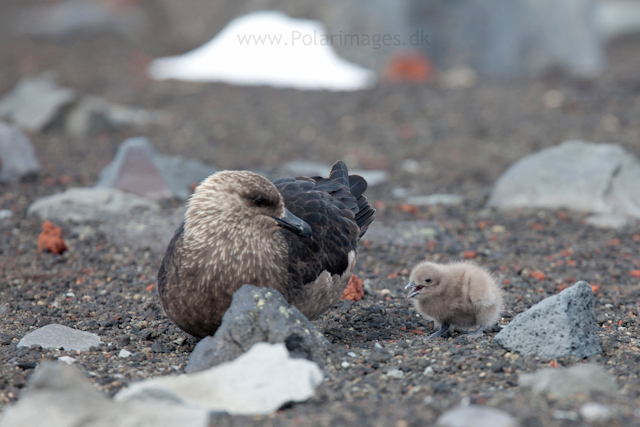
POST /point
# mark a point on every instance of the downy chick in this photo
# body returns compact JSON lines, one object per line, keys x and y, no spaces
{"x":461,"y":295}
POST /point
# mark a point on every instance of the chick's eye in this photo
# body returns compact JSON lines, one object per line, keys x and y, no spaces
{"x":427,"y":280}
{"x":259,"y":201}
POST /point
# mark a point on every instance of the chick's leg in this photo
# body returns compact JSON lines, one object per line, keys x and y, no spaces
{"x":444,"y":328}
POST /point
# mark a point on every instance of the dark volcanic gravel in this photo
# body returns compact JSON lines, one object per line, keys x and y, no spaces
{"x":462,"y":139}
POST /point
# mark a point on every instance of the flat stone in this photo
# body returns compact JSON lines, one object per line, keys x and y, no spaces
{"x":92,"y":115}
{"x":607,"y":220}
{"x":593,"y":412}
{"x":35,"y":102}
{"x":436,"y":199}
{"x":258,"y":382}
{"x":55,"y":336}
{"x":564,"y":382}
{"x":579,"y":175}
{"x":139,"y":169}
{"x":557,"y":326}
{"x":17,"y":156}
{"x":258,"y":315}
{"x":89,"y":204}
{"x":476,"y":416}
{"x":69,"y":399}
{"x":148,"y":230}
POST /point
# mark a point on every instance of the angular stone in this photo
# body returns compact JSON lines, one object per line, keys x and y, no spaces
{"x":563,"y":382}
{"x":557,"y":326}
{"x":17,"y":156}
{"x":139,"y":169}
{"x":258,"y":382}
{"x":35,"y":102}
{"x":54,"y":336}
{"x":258,"y":315}
{"x":68,"y":399}
{"x":583,"y":176}
{"x":476,"y":416}
{"x":89,"y":204}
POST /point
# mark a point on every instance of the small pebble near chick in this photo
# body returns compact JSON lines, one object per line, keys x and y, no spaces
{"x":461,"y":295}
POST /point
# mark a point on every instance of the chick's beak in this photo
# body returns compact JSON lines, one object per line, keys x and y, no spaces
{"x":414,"y":289}
{"x":294,"y":224}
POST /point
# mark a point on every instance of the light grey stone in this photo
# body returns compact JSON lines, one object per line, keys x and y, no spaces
{"x":404,"y":233}
{"x":5,"y":214}
{"x":89,"y":204}
{"x":436,"y":199}
{"x":35,"y":102}
{"x":177,"y":172}
{"x":593,"y":412}
{"x":476,"y":416}
{"x":599,"y":178}
{"x":606,"y":220}
{"x":395,"y":373}
{"x":563,"y":382}
{"x":94,"y":115}
{"x":258,"y":382}
{"x":60,"y":396}
{"x":618,"y":18}
{"x":557,"y":326}
{"x":17,"y":156}
{"x":149,"y":230}
{"x":54,"y":336}
{"x":259,"y":315}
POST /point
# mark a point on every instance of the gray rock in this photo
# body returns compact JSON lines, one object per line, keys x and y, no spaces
{"x":258,"y":315}
{"x":54,"y":336}
{"x":403,"y":233}
{"x":148,"y":230}
{"x":175,"y":173}
{"x":70,"y":17}
{"x":583,"y":176}
{"x":68,"y":399}
{"x":476,"y":416}
{"x":5,"y":214}
{"x":94,"y":115}
{"x":564,"y":382}
{"x":35,"y":102}
{"x":17,"y":156}
{"x":557,"y":326}
{"x":89,"y":204}
{"x":258,"y":382}
{"x":605,"y":220}
{"x":436,"y":199}
{"x":593,"y":412}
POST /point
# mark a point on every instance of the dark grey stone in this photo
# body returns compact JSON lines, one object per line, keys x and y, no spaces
{"x":258,"y":315}
{"x":17,"y":156}
{"x":557,"y":326}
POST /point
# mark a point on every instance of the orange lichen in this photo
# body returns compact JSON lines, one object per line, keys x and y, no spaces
{"x":50,"y":239}
{"x":354,"y":290}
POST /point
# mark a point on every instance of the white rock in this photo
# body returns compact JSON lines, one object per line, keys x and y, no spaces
{"x":66,"y":359}
{"x":565,"y":415}
{"x":17,"y":156}
{"x":428,"y":371}
{"x":595,"y":412}
{"x":89,"y":204}
{"x":258,"y":382}
{"x":35,"y":102}
{"x":599,"y":178}
{"x":5,"y":214}
{"x":395,"y":373}
{"x":476,"y":416}
{"x":54,"y":336}
{"x":123,"y":354}
{"x":562,"y":382}
{"x":267,"y":48}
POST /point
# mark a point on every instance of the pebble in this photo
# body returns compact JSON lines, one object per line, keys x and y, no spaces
{"x":476,"y":416}
{"x":123,"y":354}
{"x":565,"y":415}
{"x":352,"y":354}
{"x":560,"y":382}
{"x":395,"y":373}
{"x":55,"y":336}
{"x":345,"y":364}
{"x":594,"y":412}
{"x":66,"y":359}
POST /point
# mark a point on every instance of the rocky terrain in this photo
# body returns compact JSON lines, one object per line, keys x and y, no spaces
{"x":429,"y":138}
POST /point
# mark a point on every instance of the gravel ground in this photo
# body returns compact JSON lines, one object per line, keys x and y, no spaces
{"x":462,"y":140}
